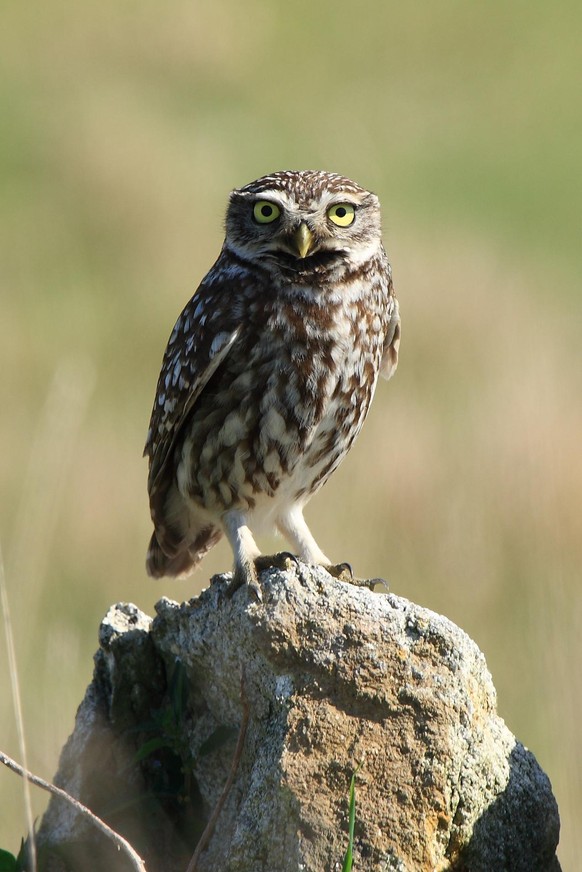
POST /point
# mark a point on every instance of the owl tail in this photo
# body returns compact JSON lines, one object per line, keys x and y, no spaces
{"x":181,"y":564}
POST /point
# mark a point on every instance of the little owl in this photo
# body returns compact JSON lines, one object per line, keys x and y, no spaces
{"x":269,"y":371}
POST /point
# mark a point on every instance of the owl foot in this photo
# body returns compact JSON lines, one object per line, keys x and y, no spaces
{"x":245,"y":576}
{"x":341,"y":571}
{"x":281,"y":560}
{"x":344,"y":572}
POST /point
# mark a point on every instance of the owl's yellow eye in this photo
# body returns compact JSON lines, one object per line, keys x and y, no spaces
{"x":264,"y":211}
{"x":341,"y":214}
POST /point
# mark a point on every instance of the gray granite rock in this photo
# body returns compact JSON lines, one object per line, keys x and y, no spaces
{"x":336,"y":677}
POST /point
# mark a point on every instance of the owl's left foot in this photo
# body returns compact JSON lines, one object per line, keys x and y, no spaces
{"x":281,"y":560}
{"x":344,"y":572}
{"x":341,"y":571}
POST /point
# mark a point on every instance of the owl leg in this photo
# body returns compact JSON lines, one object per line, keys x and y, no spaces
{"x":292,"y":525}
{"x":245,"y":551}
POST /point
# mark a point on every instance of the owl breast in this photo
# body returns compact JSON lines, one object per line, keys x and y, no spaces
{"x":283,"y":409}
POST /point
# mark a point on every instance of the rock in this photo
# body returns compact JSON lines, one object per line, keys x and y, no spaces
{"x":335,"y":678}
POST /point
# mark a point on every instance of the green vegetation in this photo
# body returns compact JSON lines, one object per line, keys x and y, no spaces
{"x":123,"y":127}
{"x":10,"y":863}
{"x":349,"y":857}
{"x":166,"y":757}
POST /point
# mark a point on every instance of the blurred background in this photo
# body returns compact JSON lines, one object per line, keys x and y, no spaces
{"x":123,"y":127}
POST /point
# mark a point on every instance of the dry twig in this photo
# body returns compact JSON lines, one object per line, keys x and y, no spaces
{"x":15,"y":683}
{"x":118,"y":840}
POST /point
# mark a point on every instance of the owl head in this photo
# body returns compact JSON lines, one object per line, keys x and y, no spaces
{"x":303,"y":220}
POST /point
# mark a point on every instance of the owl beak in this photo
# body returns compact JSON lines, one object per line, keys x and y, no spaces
{"x":303,"y":240}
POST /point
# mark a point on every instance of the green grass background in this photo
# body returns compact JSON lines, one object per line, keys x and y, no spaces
{"x":123,"y":126}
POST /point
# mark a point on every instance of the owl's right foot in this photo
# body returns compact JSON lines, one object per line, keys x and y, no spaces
{"x":245,"y":553}
{"x":245,"y":575}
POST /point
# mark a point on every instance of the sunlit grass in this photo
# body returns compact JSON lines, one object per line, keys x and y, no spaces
{"x":121,"y":133}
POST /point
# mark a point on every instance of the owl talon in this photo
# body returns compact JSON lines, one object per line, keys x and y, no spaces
{"x":374,"y":583}
{"x":281,"y":560}
{"x":245,"y":579}
{"x":255,"y":591}
{"x":341,"y":571}
{"x":344,"y":572}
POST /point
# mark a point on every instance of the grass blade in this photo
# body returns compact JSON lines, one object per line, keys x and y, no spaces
{"x":349,"y":859}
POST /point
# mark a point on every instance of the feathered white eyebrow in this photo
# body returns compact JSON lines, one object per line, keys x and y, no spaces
{"x":328,"y":198}
{"x":320,"y":203}
{"x":281,"y":198}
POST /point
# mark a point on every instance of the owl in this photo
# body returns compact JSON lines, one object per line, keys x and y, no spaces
{"x":269,"y":372}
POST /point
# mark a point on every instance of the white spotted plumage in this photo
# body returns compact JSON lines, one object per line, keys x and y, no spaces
{"x":269,"y":371}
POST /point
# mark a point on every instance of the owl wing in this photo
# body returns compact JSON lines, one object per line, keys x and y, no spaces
{"x":391,"y":340}
{"x":195,"y":350}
